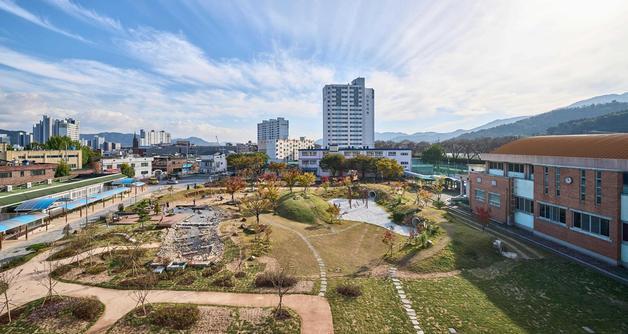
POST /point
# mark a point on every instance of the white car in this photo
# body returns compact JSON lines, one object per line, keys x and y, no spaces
{"x":172,"y":181}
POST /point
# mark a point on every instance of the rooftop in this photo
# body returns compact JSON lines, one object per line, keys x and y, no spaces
{"x":598,"y":146}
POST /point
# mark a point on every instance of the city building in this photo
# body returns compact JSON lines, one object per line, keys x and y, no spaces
{"x":42,"y":131}
{"x":143,"y":166}
{"x":4,"y":138}
{"x":153,"y":137}
{"x":213,"y":163}
{"x":97,"y":142}
{"x":66,"y":128}
{"x":572,"y":190}
{"x":287,"y":149}
{"x":110,"y":147}
{"x":309,"y":159}
{"x":270,"y":130}
{"x":16,"y":175}
{"x":72,"y":157}
{"x":23,"y":139}
{"x":168,"y":165}
{"x":349,"y":115}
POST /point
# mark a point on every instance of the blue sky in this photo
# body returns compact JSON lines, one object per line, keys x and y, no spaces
{"x":216,"y":68}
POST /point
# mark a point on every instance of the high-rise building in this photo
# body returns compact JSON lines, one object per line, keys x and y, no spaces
{"x":349,"y":115}
{"x":271,"y":130}
{"x":24,"y":139}
{"x":68,"y":127}
{"x":152,"y":137}
{"x":42,"y":130}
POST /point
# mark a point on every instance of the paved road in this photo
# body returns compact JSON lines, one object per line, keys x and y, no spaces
{"x":314,"y":311}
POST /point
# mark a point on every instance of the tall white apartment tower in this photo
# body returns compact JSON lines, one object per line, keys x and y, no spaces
{"x":271,"y":130}
{"x":349,"y":115}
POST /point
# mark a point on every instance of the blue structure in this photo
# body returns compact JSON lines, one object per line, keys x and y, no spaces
{"x":19,"y":221}
{"x":39,"y":204}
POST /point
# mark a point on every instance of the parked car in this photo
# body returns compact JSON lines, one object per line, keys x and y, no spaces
{"x":172,"y":181}
{"x":153,"y":180}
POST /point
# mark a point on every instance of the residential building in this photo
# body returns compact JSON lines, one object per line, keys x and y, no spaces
{"x":349,"y":115}
{"x":143,"y":166}
{"x":23,"y":139}
{"x":42,"y":131}
{"x":572,"y":190}
{"x":287,"y":149}
{"x":72,"y":157}
{"x":68,"y":127}
{"x":15,"y":175}
{"x":309,"y":159}
{"x":213,"y":163}
{"x":109,"y":146}
{"x":153,"y":137}
{"x":97,"y":142}
{"x":271,"y":130}
{"x":4,"y":138}
{"x":168,"y":165}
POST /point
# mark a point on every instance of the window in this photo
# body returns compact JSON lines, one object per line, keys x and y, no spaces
{"x":592,"y":224}
{"x":479,"y":195}
{"x":545,"y":180}
{"x":5,"y":175}
{"x":553,"y":213}
{"x":144,"y":164}
{"x":493,"y":200}
{"x":583,"y":185}
{"x":598,"y":187}
{"x":524,"y":205}
{"x":404,"y":153}
{"x":496,"y":165}
{"x":38,"y":172}
{"x":625,"y":232}
{"x":557,"y":181}
{"x":517,"y":168}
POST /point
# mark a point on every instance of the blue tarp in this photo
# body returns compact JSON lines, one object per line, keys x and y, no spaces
{"x":14,"y":222}
{"x":36,"y":204}
{"x":126,"y":181}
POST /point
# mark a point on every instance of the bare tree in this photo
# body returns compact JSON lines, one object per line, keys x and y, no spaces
{"x":283,"y":283}
{"x":141,"y":292}
{"x":7,"y":279}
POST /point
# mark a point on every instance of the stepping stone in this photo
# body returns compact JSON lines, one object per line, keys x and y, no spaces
{"x":321,"y":294}
{"x":405,"y":301}
{"x":588,"y":330}
{"x":414,"y":322}
{"x":452,"y":331}
{"x":417,"y":328}
{"x":396,"y":280}
{"x":402,"y":296}
{"x":412,"y":317}
{"x":420,"y":332}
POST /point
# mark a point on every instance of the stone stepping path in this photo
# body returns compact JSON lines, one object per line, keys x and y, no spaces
{"x":407,"y":304}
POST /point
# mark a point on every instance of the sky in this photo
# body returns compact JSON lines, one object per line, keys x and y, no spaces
{"x":216,"y":68}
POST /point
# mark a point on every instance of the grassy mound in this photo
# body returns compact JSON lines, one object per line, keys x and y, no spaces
{"x":310,"y":209}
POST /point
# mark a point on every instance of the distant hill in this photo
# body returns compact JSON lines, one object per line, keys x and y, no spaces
{"x":539,"y":124}
{"x":602,"y":99}
{"x":613,"y":122}
{"x":126,"y":139}
{"x":440,"y":136}
{"x":197,"y":141}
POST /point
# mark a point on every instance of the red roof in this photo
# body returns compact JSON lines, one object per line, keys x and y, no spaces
{"x":600,"y":146}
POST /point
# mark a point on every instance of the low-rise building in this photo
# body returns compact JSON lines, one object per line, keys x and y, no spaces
{"x":143,"y":166}
{"x":169,"y":166}
{"x":287,"y":149}
{"x":572,"y":190}
{"x":213,"y":164}
{"x":309,"y":159}
{"x":74,"y":158}
{"x":12,"y":176}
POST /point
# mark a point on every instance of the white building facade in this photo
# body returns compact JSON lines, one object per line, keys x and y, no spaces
{"x":271,"y":130}
{"x":68,"y":127}
{"x":143,"y":166}
{"x":287,"y":149}
{"x":213,"y":164}
{"x":309,"y":160}
{"x":153,"y":137}
{"x":349,"y":115}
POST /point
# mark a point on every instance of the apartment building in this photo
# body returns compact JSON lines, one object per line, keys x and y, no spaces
{"x":47,"y":127}
{"x":26,"y":174}
{"x":309,"y":159}
{"x":271,"y":130}
{"x":154,"y":137}
{"x":74,"y":158}
{"x":572,"y":190}
{"x":287,"y":149}
{"x":143,"y":166}
{"x":349,"y":115}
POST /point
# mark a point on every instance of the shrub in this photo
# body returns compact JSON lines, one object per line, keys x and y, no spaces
{"x":145,"y":280}
{"x":87,"y":309}
{"x":240,"y":274}
{"x":349,"y":290}
{"x":37,"y":247}
{"x":95,"y":269}
{"x":439,"y":204}
{"x":187,"y":279}
{"x":62,"y":270}
{"x":224,"y":279}
{"x":178,"y":317}
{"x":266,"y":279}
{"x":62,"y":254}
{"x":213,"y":269}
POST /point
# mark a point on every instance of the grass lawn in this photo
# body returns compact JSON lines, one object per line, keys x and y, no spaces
{"x":161,"y":318}
{"x":377,"y":310}
{"x":59,"y":314}
{"x":550,"y":295}
{"x":309,"y":210}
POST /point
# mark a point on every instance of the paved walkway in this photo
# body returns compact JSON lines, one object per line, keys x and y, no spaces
{"x":407,"y":304}
{"x":314,"y":311}
{"x":319,"y":259}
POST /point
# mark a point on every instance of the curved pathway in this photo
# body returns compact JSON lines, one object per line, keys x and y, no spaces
{"x":314,"y":311}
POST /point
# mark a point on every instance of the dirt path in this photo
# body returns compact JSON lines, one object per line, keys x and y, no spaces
{"x":314,"y":311}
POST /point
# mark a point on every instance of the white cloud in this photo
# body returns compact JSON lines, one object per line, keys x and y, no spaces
{"x":13,"y":8}
{"x":86,"y":15}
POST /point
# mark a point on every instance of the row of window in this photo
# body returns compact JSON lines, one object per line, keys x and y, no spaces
{"x":493,"y":198}
{"x":35,"y":172}
{"x":553,"y":213}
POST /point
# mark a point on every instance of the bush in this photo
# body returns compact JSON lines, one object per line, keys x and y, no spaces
{"x":240,"y":274}
{"x":187,"y":279}
{"x":224,"y":279}
{"x":142,"y":281}
{"x":349,"y":290}
{"x":60,"y":271}
{"x":178,"y":317}
{"x":62,"y":254}
{"x":266,"y":279}
{"x":439,"y":204}
{"x":213,"y":269}
{"x":95,"y":269}
{"x":37,"y":247}
{"x":86,"y":309}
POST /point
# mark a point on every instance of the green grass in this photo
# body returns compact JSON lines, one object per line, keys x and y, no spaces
{"x":534,"y":296}
{"x":377,"y":310}
{"x":308,"y":209}
{"x":237,"y":323}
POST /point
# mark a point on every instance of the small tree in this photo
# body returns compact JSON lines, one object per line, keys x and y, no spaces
{"x":141,"y":209}
{"x":282,"y":282}
{"x":127,"y":170}
{"x":63,"y":169}
{"x":305,"y":180}
{"x":438,"y":186}
{"x":423,"y":197}
{"x":142,"y":290}
{"x":325,"y":185}
{"x":157,"y":208}
{"x":484,"y":217}
{"x":255,"y":205}
{"x":234,"y":184}
{"x":349,"y":187}
{"x":291,"y":178}
{"x":333,"y":211}
{"x":334,"y":163}
{"x":389,"y":240}
{"x":7,"y":279}
{"x":270,"y":191}
{"x":277,"y":167}
{"x":388,"y":168}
